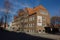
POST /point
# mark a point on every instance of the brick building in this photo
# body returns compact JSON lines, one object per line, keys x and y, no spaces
{"x":32,"y":19}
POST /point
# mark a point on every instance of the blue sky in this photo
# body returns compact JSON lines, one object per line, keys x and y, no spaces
{"x":53,"y":6}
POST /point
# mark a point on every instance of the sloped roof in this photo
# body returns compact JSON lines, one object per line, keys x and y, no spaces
{"x":29,"y":10}
{"x":38,"y":8}
{"x":20,"y":12}
{"x":33,"y":10}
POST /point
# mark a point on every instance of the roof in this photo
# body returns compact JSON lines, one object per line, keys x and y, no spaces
{"x":38,"y":8}
{"x":29,"y":10}
{"x":20,"y":12}
{"x":32,"y":11}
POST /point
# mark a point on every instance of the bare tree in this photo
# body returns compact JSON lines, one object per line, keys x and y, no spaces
{"x":55,"y":20}
{"x":1,"y":21}
{"x":7,"y":7}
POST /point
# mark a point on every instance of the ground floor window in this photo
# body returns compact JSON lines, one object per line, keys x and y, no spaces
{"x":39,"y":30}
{"x":43,"y":30}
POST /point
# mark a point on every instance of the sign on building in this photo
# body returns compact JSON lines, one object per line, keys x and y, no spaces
{"x":39,"y":20}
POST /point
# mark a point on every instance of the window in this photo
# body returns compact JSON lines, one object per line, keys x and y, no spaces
{"x":29,"y":25}
{"x":32,"y":30}
{"x":43,"y":30}
{"x":39,"y":30}
{"x":25,"y":25}
{"x":21,"y":20}
{"x":30,"y":19}
{"x":27,"y":20}
{"x":43,"y":12}
{"x":27,"y":15}
{"x":33,"y":18}
{"x":13,"y":28}
{"x":44,"y":18}
{"x":33,"y":24}
{"x":29,"y":30}
{"x":43,"y":24}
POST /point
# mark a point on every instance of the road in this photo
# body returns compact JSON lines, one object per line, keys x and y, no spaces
{"x":7,"y":35}
{"x":46,"y":35}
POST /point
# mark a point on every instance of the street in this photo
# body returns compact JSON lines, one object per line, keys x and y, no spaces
{"x":7,"y":35}
{"x":46,"y":35}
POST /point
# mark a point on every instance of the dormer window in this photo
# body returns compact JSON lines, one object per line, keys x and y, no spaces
{"x":43,"y":12}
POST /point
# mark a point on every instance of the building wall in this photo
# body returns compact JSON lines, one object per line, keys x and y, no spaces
{"x":43,"y":19}
{"x":29,"y":21}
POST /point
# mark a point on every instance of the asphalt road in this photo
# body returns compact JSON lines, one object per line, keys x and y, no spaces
{"x":6,"y":35}
{"x":46,"y":35}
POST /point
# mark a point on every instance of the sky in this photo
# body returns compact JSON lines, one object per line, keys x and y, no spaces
{"x":53,"y":7}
